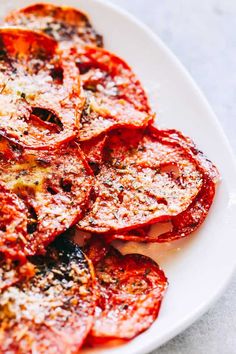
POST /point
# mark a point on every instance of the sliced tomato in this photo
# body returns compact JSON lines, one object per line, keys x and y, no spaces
{"x":39,"y":90}
{"x":143,"y":180}
{"x":114,"y":95}
{"x":63,"y":23}
{"x":190,"y":219}
{"x":55,"y":187}
{"x":51,"y":312}
{"x":130,"y":291}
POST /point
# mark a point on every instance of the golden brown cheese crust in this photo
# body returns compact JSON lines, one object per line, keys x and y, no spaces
{"x":54,"y":187}
{"x":40,"y":101}
{"x":62,"y":23}
{"x":52,"y":311}
{"x":143,"y":180}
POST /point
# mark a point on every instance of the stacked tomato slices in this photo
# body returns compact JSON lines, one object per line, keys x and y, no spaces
{"x":79,"y":151}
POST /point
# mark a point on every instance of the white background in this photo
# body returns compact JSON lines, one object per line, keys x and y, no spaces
{"x":202,"y":33}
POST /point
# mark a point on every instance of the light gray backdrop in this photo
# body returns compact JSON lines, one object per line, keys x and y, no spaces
{"x":202,"y":33}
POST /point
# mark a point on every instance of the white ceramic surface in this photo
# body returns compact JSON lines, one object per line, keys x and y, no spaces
{"x":199,"y":267}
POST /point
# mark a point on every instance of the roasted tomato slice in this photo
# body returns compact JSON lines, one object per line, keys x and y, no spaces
{"x":55,"y":187}
{"x":114,"y":95}
{"x":143,"y":180}
{"x":64,"y":24}
{"x":52,"y":311}
{"x":39,"y":90}
{"x":190,"y":219}
{"x":130,"y":291}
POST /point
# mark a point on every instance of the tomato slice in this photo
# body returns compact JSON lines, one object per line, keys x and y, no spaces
{"x":55,"y":187}
{"x":51,"y":312}
{"x":114,"y":95}
{"x":37,"y":81}
{"x":190,"y":219}
{"x":143,"y":180}
{"x":130,"y":292}
{"x":63,"y":23}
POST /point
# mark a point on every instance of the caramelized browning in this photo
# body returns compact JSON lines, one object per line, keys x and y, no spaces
{"x":52,"y":311}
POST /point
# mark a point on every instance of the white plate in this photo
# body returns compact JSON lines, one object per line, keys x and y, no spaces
{"x":199,"y":267}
